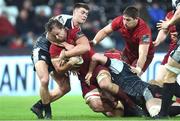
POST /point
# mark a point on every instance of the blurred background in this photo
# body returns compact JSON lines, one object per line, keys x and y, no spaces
{"x":22,"y":21}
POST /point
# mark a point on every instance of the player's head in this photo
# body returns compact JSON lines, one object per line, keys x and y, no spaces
{"x":80,"y":12}
{"x":56,"y":30}
{"x":130,"y":17}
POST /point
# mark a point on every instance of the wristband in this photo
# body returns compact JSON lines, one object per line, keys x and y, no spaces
{"x":94,"y":42}
{"x":138,"y":69}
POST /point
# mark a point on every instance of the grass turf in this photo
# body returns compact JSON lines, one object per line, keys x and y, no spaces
{"x":67,"y":108}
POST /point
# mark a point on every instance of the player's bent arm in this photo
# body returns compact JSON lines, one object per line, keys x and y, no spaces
{"x":161,"y":37}
{"x":82,"y":46}
{"x":143,"y":52}
{"x":88,"y":76}
{"x":61,"y":69}
{"x":102,"y":34}
{"x":92,"y":66}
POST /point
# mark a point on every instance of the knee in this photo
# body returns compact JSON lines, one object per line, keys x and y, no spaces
{"x":104,"y":80}
{"x":105,"y":84}
{"x":44,"y":81}
{"x":66,"y":89}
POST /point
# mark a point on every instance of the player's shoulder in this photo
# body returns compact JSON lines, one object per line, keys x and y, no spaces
{"x":143,"y":24}
{"x":117,"y":23}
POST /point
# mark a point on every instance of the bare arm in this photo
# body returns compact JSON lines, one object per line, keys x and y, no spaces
{"x":88,"y":76}
{"x":143,"y":52}
{"x":62,"y":69}
{"x":172,"y":21}
{"x":96,"y":58}
{"x":82,"y":46}
{"x":161,"y":37}
{"x":102,"y":34}
{"x":175,"y":18}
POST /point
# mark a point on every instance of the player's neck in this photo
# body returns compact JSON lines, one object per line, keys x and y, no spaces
{"x":75,"y":24}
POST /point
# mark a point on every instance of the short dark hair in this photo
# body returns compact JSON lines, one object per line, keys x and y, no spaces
{"x":131,"y":11}
{"x":81,"y":5}
{"x":53,"y":23}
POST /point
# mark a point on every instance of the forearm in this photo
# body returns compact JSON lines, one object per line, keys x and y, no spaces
{"x":143,"y":52}
{"x":161,"y":36}
{"x":92,"y":66}
{"x":77,"y":50}
{"x":82,"y":46}
{"x":175,"y":18}
{"x":61,"y":69}
{"x":100,"y":36}
{"x":141,"y":61}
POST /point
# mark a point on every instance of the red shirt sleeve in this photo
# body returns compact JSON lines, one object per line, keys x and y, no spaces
{"x":54,"y":50}
{"x":116,"y":23}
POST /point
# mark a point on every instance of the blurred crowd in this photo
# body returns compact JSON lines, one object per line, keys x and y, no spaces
{"x":22,"y":21}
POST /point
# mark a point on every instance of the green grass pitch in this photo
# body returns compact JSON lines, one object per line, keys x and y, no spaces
{"x":69,"y":108}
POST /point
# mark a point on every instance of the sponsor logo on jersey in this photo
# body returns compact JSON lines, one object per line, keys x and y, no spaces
{"x":145,"y":38}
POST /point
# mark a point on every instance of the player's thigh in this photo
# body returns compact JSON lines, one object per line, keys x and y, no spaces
{"x":42,"y":70}
{"x":173,"y":63}
{"x":42,"y":63}
{"x":160,"y":75}
{"x":170,"y":77}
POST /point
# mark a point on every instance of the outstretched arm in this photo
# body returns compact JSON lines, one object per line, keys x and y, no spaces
{"x":162,"y":34}
{"x":165,"y":24}
{"x":102,"y":34}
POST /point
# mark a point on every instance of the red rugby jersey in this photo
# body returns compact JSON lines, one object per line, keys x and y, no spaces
{"x":140,"y":34}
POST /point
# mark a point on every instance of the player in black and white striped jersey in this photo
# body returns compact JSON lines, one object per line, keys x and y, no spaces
{"x":41,"y":58}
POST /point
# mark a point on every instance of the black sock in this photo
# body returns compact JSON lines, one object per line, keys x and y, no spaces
{"x":174,"y":110}
{"x":39,"y":104}
{"x":177,"y":90}
{"x":47,"y":109}
{"x":108,"y":62}
{"x":167,"y":94}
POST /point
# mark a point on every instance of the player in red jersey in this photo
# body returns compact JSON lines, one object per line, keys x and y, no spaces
{"x":100,"y":80}
{"x":171,"y":86}
{"x":173,"y":42}
{"x":41,"y":58}
{"x":91,"y":93}
{"x":163,"y":33}
{"x":138,"y":51}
